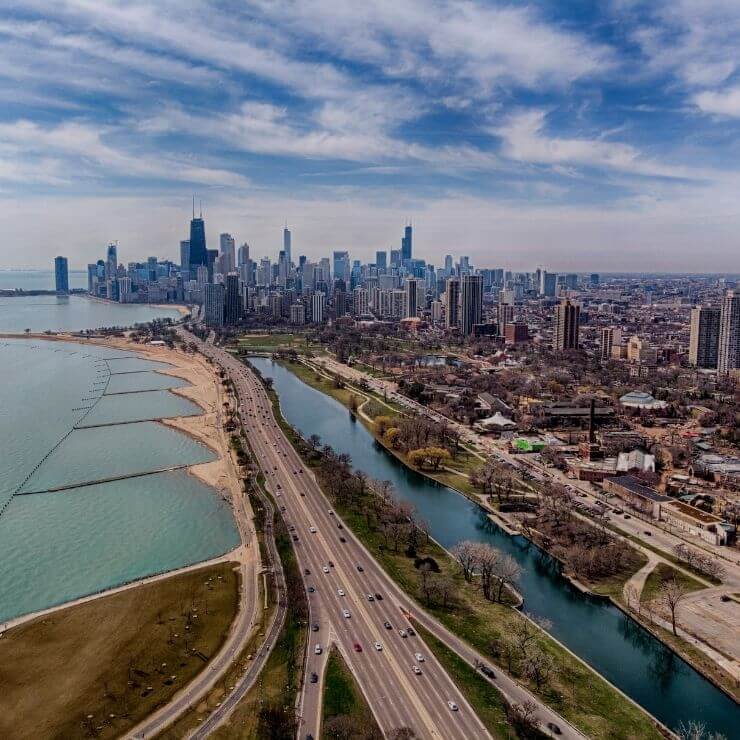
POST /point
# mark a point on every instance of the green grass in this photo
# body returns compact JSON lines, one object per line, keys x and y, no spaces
{"x":664,"y":572}
{"x":488,"y":703}
{"x":343,"y":697}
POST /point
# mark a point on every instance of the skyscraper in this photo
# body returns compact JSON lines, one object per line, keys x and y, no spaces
{"x":381,"y":261}
{"x":111,"y":261}
{"x":704,"y":341}
{"x":318,"y":306}
{"x":610,"y":336}
{"x":411,"y":303}
{"x":567,"y":316}
{"x":728,"y":352}
{"x":213,"y":304}
{"x":287,"y":245}
{"x":548,"y":282}
{"x":471,"y":303}
{"x":232,"y":300}
{"x":198,"y":251}
{"x":452,"y":300}
{"x":61,"y":274}
{"x":185,"y":255}
{"x":406,"y":250}
{"x":227,"y":253}
{"x":341,"y":266}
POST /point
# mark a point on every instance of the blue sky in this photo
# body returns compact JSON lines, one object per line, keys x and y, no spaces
{"x":571,"y":134}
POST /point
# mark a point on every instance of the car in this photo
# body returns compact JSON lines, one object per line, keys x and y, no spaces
{"x":291,"y":528}
{"x":325,"y":569}
{"x":360,"y":569}
{"x":377,"y":646}
{"x":311,"y":590}
{"x":340,"y":592}
{"x":303,"y":494}
{"x":410,"y":630}
{"x":416,"y":670}
{"x":279,"y":487}
{"x":331,"y":513}
{"x":314,"y":677}
{"x":306,"y":572}
{"x":330,"y":564}
{"x":627,"y":516}
{"x":312,"y":530}
{"x":346,"y":614}
{"x":295,"y":538}
{"x":388,"y":625}
{"x":724,"y":598}
{"x":403,"y":633}
{"x":370,"y":597}
{"x":486,"y":671}
{"x":317,"y":650}
{"x":554,"y":728}
{"x":357,"y":647}
{"x":453,"y":707}
{"x":419,"y":657}
{"x":314,"y":628}
{"x":340,"y":525}
{"x":341,"y":539}
{"x":648,"y":532}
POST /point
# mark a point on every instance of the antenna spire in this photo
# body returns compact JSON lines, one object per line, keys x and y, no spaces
{"x":193,"y":205}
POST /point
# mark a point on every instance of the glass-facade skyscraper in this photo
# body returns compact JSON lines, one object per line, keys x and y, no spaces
{"x":61,"y":275}
{"x":198,"y":251}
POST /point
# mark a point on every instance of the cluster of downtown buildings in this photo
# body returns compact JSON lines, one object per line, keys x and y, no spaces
{"x":456,"y":297}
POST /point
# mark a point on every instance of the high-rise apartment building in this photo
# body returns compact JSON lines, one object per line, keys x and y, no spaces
{"x":185,"y":255}
{"x":704,"y":341}
{"x":227,"y":253}
{"x":411,"y":295}
{"x":611,"y":336}
{"x":298,"y":314}
{"x":360,"y":300}
{"x":232,"y":300}
{"x":61,"y":275}
{"x":471,"y":303}
{"x":452,"y":302}
{"x":213,"y":304}
{"x":318,"y":307}
{"x":548,"y":284}
{"x":728,"y":351}
{"x":381,"y":261}
{"x":567,"y":317}
{"x":287,"y":246}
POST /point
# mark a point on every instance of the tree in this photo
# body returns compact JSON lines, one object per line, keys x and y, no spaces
{"x":382,"y":423}
{"x":402,"y":733}
{"x":508,"y":572}
{"x":670,"y":595}
{"x":465,"y":554}
{"x":486,"y":561}
{"x":538,"y":666}
{"x":433,"y":456}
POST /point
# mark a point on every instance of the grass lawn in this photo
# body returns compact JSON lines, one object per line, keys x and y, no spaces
{"x":613,"y":586}
{"x":343,"y":698}
{"x":485,"y":699}
{"x":105,"y":657}
{"x":664,"y":572}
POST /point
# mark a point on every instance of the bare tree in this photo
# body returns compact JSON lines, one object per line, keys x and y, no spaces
{"x":670,"y":595}
{"x":465,"y":554}
{"x":508,"y":572}
{"x":538,"y":666}
{"x":486,"y":562}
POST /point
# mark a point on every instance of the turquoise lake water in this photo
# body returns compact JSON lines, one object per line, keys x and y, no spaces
{"x":61,"y":545}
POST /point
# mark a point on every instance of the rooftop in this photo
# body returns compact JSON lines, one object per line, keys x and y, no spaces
{"x":634,"y":485}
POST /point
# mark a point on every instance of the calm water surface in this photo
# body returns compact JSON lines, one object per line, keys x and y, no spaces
{"x":61,"y":545}
{"x":616,"y":646}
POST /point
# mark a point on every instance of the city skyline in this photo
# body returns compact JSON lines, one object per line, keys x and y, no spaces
{"x":581,"y":137}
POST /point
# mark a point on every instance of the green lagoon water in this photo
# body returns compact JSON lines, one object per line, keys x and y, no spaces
{"x":61,"y":545}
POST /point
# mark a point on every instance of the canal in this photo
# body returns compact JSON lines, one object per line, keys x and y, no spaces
{"x":615,"y":645}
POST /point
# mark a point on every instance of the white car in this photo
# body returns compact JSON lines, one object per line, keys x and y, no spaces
{"x":346,"y":614}
{"x":340,"y":591}
{"x":325,"y":569}
{"x":402,"y":633}
{"x":416,"y":670}
{"x":452,"y":705}
{"x":331,"y":513}
{"x":317,"y":650}
{"x":312,"y":530}
{"x":370,"y":597}
{"x":419,"y":657}
{"x":378,"y":646}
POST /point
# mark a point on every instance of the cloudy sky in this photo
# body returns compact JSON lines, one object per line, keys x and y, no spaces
{"x":576,"y":135}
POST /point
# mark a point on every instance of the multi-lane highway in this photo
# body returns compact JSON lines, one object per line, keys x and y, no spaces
{"x":340,"y":578}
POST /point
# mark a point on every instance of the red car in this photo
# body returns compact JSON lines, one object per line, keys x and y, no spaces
{"x":358,"y":647}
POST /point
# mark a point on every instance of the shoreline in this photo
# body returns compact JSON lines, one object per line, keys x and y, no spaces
{"x":205,"y":390}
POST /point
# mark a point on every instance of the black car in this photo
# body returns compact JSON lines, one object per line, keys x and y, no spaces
{"x":378,"y":597}
{"x":360,"y":568}
{"x":311,"y":589}
{"x":295,"y":538}
{"x":314,"y":677}
{"x":341,"y":539}
{"x":314,"y":628}
{"x":388,"y":625}
{"x":306,"y":572}
{"x":486,"y":671}
{"x":410,"y":632}
{"x":554,"y":728}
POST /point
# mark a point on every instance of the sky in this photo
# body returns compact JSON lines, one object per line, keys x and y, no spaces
{"x":565,"y":133}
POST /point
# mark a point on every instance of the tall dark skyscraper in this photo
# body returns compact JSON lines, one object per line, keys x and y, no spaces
{"x":406,"y":245}
{"x":567,"y":318}
{"x":61,"y":275}
{"x":233,"y":301}
{"x":471,"y":303}
{"x":198,"y":252}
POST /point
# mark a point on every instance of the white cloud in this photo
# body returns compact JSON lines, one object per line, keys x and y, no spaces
{"x":724,"y":102}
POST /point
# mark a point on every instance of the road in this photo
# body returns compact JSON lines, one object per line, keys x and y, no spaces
{"x":329,"y":558}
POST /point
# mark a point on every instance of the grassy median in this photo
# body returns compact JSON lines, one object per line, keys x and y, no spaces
{"x":345,"y":713}
{"x":99,"y":668}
